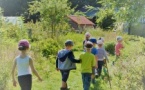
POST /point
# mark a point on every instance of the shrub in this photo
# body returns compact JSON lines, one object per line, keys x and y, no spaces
{"x":110,"y":47}
{"x":49,"y":47}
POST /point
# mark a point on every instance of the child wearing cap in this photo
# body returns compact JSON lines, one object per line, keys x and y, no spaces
{"x":94,"y":51}
{"x":118,"y":46}
{"x":101,"y":56}
{"x":25,"y":67}
{"x":65,"y":62}
{"x":87,"y":38}
{"x":88,"y":63}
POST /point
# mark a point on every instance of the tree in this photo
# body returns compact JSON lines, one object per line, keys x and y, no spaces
{"x":53,"y":14}
{"x":81,"y":3}
{"x":129,"y":11}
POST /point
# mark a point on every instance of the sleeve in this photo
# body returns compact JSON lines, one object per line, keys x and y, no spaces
{"x":72,"y":58}
{"x":83,"y":44}
{"x":96,"y":52}
{"x":57,"y":63}
{"x":105,"y":54}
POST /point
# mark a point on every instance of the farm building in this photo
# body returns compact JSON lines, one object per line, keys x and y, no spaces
{"x":80,"y":22}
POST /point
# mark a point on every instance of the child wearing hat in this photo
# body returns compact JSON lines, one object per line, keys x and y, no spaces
{"x":101,"y":56}
{"x":25,"y":67}
{"x":118,"y":46}
{"x":87,"y":38}
{"x":94,"y":51}
{"x":88,"y":63}
{"x":65,"y":62}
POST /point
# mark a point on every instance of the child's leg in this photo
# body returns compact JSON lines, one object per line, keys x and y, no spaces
{"x":25,"y":82}
{"x":100,"y":64}
{"x":65,"y":75}
{"x":86,"y":80}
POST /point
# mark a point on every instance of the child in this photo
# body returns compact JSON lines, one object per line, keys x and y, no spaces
{"x":94,"y":51}
{"x":87,"y":38}
{"x":101,"y":38}
{"x":24,"y":64}
{"x":65,"y":62}
{"x":101,"y":55}
{"x":88,"y":63}
{"x":118,"y":46}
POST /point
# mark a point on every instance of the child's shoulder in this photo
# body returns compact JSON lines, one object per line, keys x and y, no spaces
{"x":62,"y":50}
{"x":17,"y":57}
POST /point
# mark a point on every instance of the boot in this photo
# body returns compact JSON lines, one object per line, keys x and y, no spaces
{"x":63,"y":88}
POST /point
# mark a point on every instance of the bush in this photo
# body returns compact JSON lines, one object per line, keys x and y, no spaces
{"x":49,"y":47}
{"x":110,"y":47}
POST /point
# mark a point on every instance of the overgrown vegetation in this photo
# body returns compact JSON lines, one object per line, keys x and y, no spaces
{"x":129,"y":68}
{"x":126,"y":74}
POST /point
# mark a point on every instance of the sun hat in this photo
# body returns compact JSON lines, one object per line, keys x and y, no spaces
{"x":23,"y":44}
{"x":118,"y":38}
{"x":88,"y":44}
{"x":93,"y":40}
{"x":99,"y":42}
{"x":69,"y":43}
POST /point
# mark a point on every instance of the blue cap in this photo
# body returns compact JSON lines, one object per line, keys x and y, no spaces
{"x":93,"y":40}
{"x":69,"y":43}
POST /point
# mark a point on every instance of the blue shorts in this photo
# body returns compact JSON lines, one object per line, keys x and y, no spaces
{"x":65,"y":75}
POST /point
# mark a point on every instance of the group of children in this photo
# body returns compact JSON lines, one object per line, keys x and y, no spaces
{"x":91,"y":60}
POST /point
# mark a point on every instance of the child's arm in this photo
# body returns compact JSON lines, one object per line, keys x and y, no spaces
{"x":57,"y":64}
{"x":105,"y":54}
{"x":96,"y":58}
{"x":13,"y":74}
{"x":71,"y":57}
{"x":93,"y":68}
{"x":34,"y":70}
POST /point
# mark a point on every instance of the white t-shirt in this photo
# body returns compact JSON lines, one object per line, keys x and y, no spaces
{"x":23,"y":65}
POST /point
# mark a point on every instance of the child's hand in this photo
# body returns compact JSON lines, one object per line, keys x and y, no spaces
{"x":14,"y":83}
{"x":93,"y":76}
{"x":57,"y":69}
{"x":96,"y":67}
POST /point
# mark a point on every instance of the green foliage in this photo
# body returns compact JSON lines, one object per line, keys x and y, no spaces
{"x":47,"y":47}
{"x":124,"y":11}
{"x":106,"y":19}
{"x":110,"y":47}
{"x":53,"y":14}
{"x":7,"y":55}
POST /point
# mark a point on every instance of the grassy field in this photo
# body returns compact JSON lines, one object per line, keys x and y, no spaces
{"x":127,"y":74}
{"x":53,"y":81}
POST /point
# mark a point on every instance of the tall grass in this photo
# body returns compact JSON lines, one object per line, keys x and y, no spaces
{"x":126,"y":74}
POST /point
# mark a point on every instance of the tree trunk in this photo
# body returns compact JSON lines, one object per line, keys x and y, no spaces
{"x":129,"y":28}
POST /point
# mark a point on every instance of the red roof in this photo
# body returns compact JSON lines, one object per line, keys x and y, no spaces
{"x":81,"y":20}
